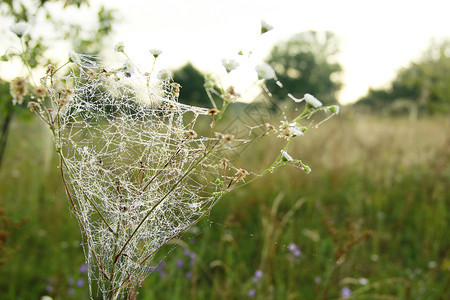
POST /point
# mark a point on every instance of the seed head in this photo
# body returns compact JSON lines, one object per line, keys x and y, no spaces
{"x":241,"y":173}
{"x":41,"y":92}
{"x":228,"y":138}
{"x":213,"y":111}
{"x":63,"y":101}
{"x":18,"y":89}
{"x":32,"y":105}
{"x":191,"y":134}
{"x":270,"y":127}
{"x":50,"y":69}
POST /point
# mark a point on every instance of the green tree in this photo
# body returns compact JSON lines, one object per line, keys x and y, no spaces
{"x":422,"y":87}
{"x":192,"y":84}
{"x":306,"y":63}
{"x":88,"y":40}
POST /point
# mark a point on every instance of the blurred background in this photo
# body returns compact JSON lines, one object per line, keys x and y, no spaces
{"x":371,"y":220}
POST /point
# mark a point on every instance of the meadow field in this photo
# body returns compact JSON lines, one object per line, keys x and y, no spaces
{"x":371,"y":221}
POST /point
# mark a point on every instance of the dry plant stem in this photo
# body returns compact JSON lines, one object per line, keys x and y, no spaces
{"x":25,"y":61}
{"x":99,"y":263}
{"x":162,"y":169}
{"x":168,"y":241}
{"x":158,"y":203}
{"x":101,"y":216}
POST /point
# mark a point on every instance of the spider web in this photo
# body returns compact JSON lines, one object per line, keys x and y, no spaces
{"x":136,"y":176}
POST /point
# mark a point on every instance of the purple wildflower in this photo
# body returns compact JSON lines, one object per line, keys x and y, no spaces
{"x":162,"y":274}
{"x":70,"y":291}
{"x":346,"y":292}
{"x":187,"y":252}
{"x":49,"y":289}
{"x":80,"y":282}
{"x":295,"y":250}
{"x":292,"y":247}
{"x":257,"y":276}
{"x":83,"y":268}
{"x":180,"y":263}
{"x":317,"y":280}
{"x":189,"y":275}
{"x":251,"y":293}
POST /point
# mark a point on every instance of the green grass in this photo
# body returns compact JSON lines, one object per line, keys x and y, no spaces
{"x":385,"y":177}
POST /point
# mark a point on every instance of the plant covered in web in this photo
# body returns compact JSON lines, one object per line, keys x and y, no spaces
{"x":138,"y":167}
{"x":137,"y":173}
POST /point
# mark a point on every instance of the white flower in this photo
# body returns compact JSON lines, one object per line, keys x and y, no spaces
{"x":286,"y":156}
{"x":164,"y":75}
{"x":46,"y":298}
{"x":74,"y":57}
{"x":230,"y":64}
{"x":265,"y":71}
{"x":295,"y":130}
{"x":119,"y":47}
{"x":313,"y":101}
{"x":155,"y":52}
{"x":363,"y":281}
{"x":128,"y":67}
{"x":19,"y":28}
{"x":265,"y":27}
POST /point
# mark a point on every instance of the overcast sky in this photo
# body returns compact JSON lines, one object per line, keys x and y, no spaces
{"x":377,"y":37}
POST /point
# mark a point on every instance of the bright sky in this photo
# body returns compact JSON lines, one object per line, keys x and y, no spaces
{"x":377,"y":37}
